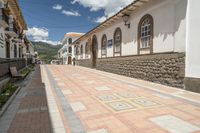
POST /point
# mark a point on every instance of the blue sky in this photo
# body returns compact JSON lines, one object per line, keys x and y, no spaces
{"x":49,"y":20}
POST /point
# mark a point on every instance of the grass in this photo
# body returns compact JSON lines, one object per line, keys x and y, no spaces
{"x":7,"y":92}
{"x":26,"y":70}
{"x":10,"y":87}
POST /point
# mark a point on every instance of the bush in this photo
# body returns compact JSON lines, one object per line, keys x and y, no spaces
{"x":25,"y":71}
{"x":7,"y":92}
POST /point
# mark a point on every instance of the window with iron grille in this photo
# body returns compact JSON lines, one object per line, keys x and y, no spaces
{"x":103,"y":45}
{"x":117,"y":40}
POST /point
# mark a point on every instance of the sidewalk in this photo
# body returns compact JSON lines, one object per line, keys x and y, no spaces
{"x":82,"y":100}
{"x":28,"y":113}
{"x":102,"y":102}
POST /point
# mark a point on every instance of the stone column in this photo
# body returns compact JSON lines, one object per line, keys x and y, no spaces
{"x":192,"y":80}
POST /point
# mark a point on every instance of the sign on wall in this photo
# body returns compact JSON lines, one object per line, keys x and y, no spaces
{"x":110,"y":43}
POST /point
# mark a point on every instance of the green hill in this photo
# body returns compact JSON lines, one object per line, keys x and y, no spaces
{"x":46,"y":52}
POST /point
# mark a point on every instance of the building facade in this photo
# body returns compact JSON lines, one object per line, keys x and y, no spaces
{"x":15,"y":49}
{"x":66,"y":53}
{"x":145,"y":40}
{"x":13,"y":43}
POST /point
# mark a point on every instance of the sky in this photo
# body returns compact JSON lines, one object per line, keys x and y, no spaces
{"x":49,"y":20}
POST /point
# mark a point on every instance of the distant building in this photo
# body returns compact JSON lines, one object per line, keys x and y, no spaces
{"x":66,"y":53}
{"x":148,"y":40}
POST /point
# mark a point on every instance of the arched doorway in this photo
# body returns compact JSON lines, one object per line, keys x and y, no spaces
{"x":69,"y":60}
{"x":94,"y":50}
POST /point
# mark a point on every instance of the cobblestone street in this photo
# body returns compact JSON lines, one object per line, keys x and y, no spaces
{"x":87,"y":100}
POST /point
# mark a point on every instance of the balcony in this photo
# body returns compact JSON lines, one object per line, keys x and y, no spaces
{"x":12,"y":30}
{"x":4,"y":19}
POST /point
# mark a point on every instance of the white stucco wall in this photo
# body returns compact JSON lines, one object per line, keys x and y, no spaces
{"x":2,"y":46}
{"x":2,"y":52}
{"x":169,"y":28}
{"x":193,"y":40}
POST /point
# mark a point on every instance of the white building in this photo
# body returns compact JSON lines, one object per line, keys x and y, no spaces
{"x":12,"y":26}
{"x":15,"y":48}
{"x":148,"y":39}
{"x":66,"y":53}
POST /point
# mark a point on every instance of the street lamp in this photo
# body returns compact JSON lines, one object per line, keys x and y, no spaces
{"x":125,"y":18}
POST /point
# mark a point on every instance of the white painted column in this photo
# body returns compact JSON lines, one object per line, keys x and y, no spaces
{"x":193,"y":43}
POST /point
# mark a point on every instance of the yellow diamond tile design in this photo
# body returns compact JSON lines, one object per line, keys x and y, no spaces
{"x":108,"y":97}
{"x":120,"y":105}
{"x":126,"y":101}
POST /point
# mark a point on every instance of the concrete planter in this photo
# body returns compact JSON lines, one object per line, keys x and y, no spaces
{"x":6,"y":105}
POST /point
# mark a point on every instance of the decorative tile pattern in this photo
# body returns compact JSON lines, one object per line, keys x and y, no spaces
{"x":99,"y":131}
{"x":174,"y":125}
{"x":75,"y":74}
{"x":66,"y":92}
{"x":61,"y":84}
{"x":128,"y":95}
{"x":107,"y":97}
{"x":80,"y":77}
{"x":120,"y":105}
{"x":77,"y":106}
{"x":90,"y":82}
{"x":144,"y":102}
{"x":57,"y":79}
{"x":102,"y":88}
{"x":162,"y":96}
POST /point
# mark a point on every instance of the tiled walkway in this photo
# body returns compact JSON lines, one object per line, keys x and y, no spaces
{"x":86,"y":100}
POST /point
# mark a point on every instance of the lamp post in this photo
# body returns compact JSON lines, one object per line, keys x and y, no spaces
{"x":125,"y":18}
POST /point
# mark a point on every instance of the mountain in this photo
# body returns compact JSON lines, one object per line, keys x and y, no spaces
{"x":46,"y":51}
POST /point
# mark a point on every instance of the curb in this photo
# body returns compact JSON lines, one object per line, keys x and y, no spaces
{"x":5,"y":106}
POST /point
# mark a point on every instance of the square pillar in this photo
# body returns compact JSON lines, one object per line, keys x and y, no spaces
{"x":192,"y":77}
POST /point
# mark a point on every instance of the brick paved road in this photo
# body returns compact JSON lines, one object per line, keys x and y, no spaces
{"x":86,"y":100}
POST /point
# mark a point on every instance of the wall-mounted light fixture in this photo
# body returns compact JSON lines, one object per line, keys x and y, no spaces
{"x":125,"y":18}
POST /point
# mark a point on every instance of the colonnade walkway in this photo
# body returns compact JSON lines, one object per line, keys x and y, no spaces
{"x":82,"y":100}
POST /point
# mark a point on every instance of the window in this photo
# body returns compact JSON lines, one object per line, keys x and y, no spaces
{"x":15,"y":50}
{"x":7,"y":49}
{"x":103,"y":45}
{"x":70,"y":49}
{"x":77,"y":50}
{"x":117,"y":41}
{"x":20,"y":52}
{"x":87,"y":50}
{"x":145,"y":33}
{"x":70,"y":40}
{"x":81,"y":49}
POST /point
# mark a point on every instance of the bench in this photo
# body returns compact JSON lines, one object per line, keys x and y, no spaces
{"x":15,"y":74}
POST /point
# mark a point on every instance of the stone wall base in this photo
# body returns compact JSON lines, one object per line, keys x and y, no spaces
{"x":84,"y":63}
{"x":165,"y":68}
{"x":192,"y":84}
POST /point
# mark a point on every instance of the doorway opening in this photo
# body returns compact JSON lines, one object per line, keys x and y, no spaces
{"x":94,"y":51}
{"x":69,"y":60}
{"x":7,"y":49}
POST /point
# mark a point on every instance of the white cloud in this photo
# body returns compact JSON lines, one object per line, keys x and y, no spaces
{"x":57,"y":7}
{"x":71,"y":13}
{"x":100,"y":19}
{"x":40,"y":35}
{"x":110,"y":7}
